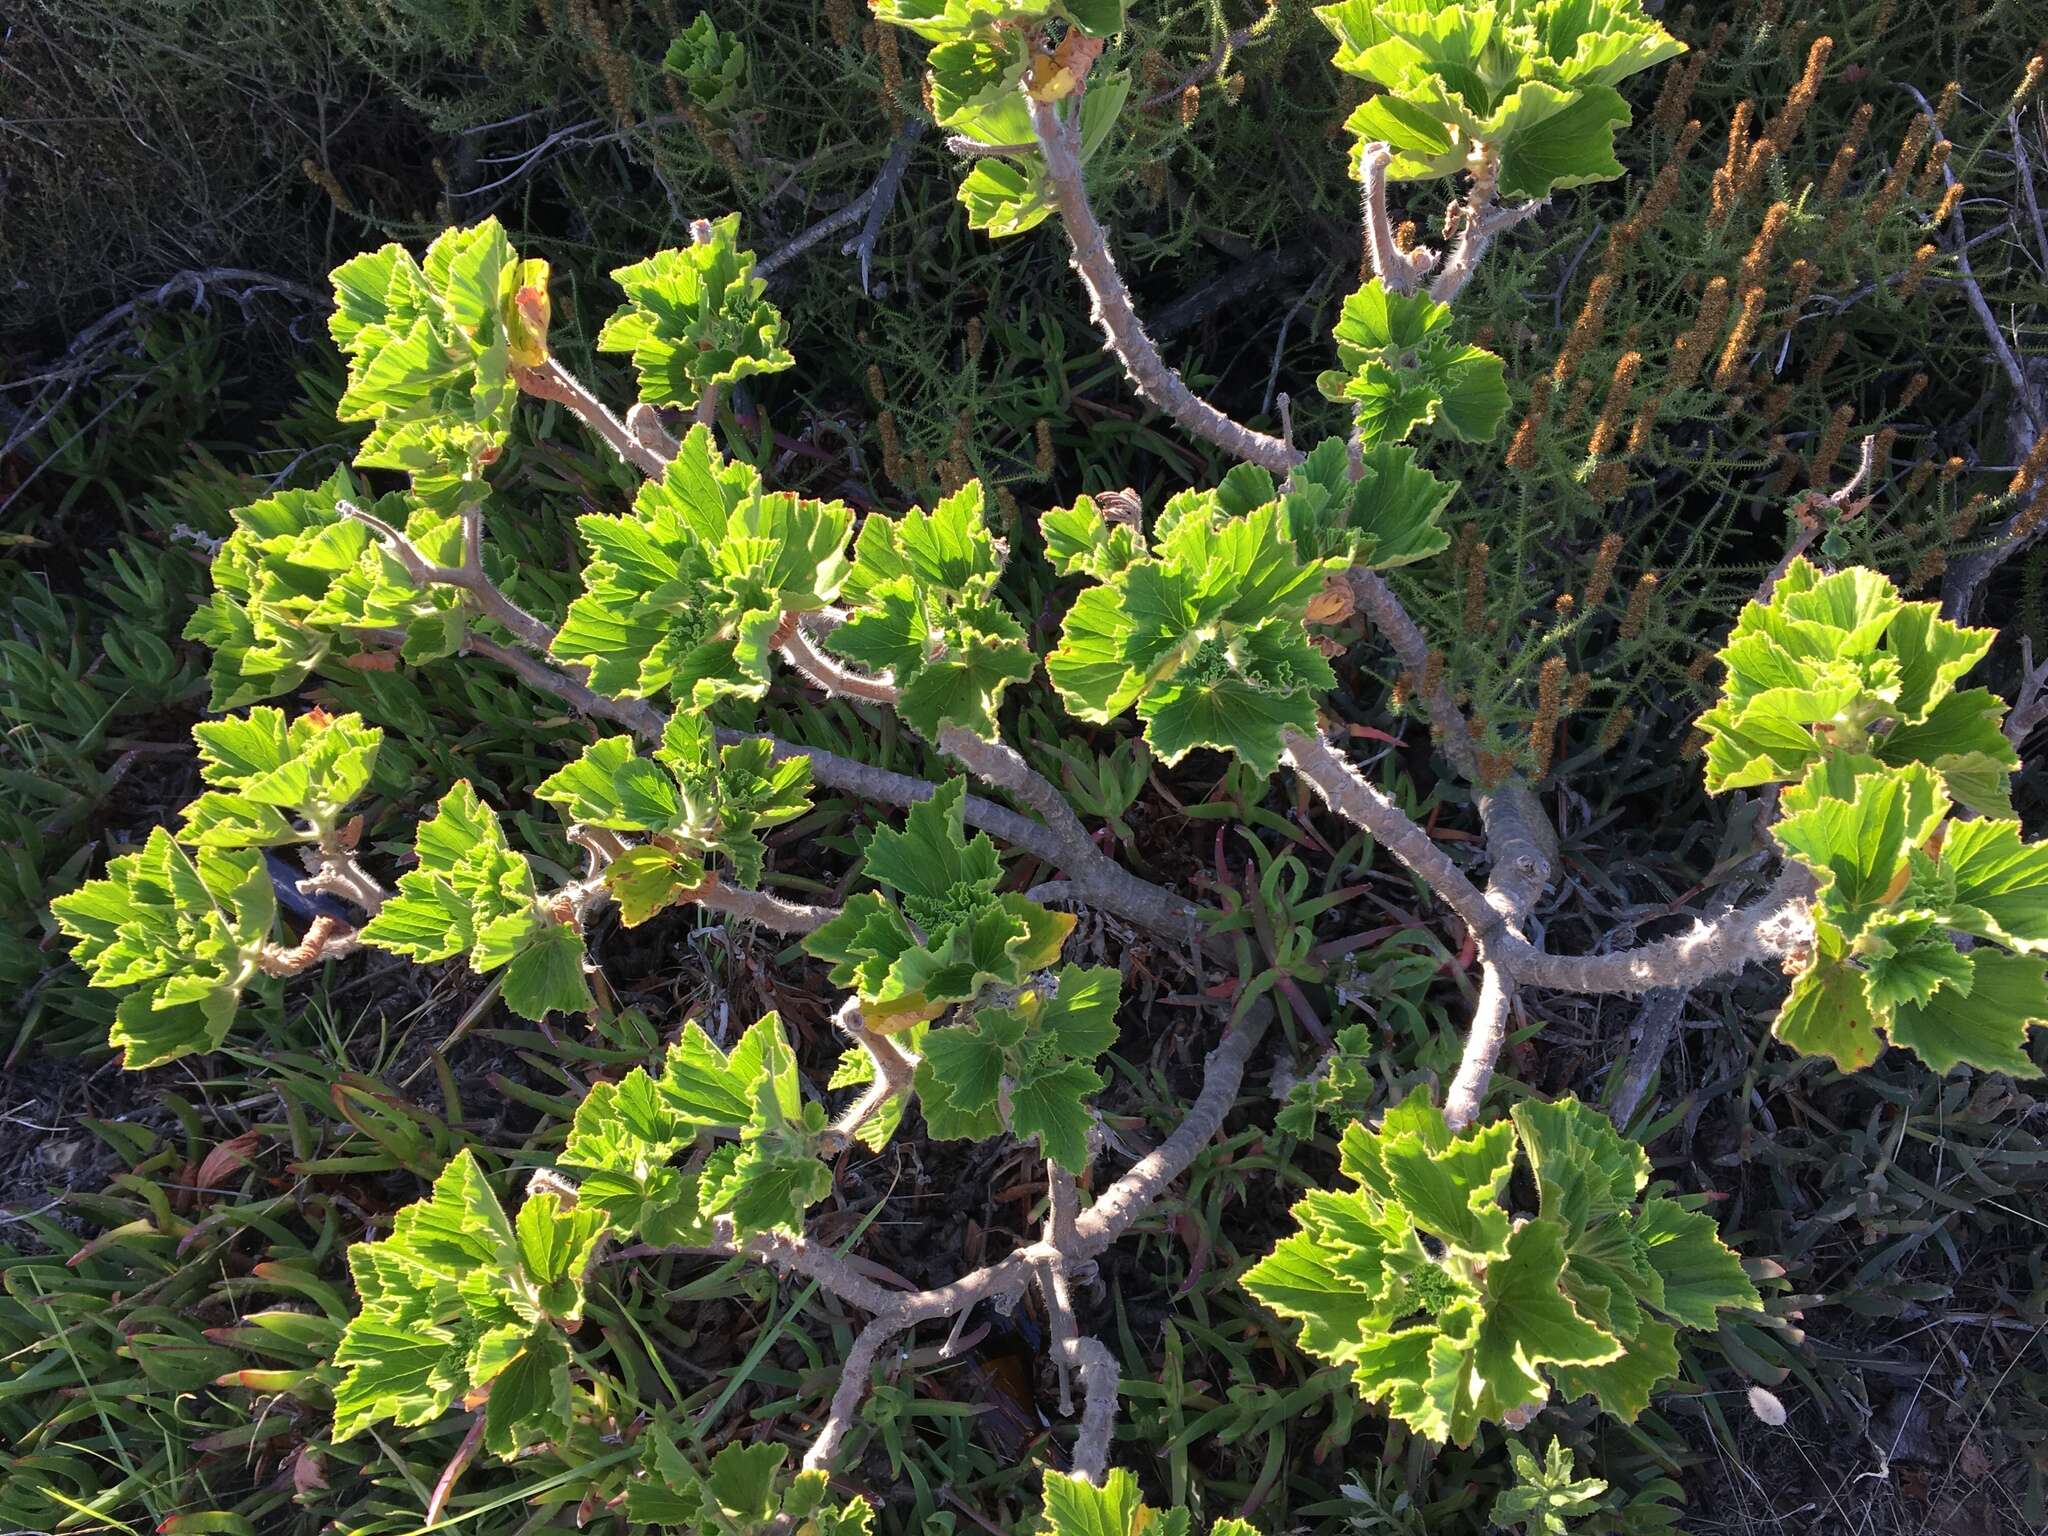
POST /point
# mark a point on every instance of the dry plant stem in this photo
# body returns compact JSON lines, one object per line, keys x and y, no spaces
{"x":1124,"y":1202}
{"x":644,"y":422}
{"x":335,"y":872}
{"x":894,"y":1073}
{"x":759,"y":907}
{"x":551,"y":381}
{"x":1147,"y":370}
{"x":1769,"y":928}
{"x":1656,"y":1026}
{"x":1398,"y":271}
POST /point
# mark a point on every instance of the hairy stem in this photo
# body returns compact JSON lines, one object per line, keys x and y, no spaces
{"x":551,"y":381}
{"x":1398,"y":271}
{"x":1148,"y":371}
{"x":479,"y":591}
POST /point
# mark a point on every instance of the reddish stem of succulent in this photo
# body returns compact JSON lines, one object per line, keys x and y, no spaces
{"x":1147,"y":370}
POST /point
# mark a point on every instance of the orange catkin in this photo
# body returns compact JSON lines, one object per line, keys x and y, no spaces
{"x":1638,"y":613}
{"x":1820,"y":468}
{"x":1902,"y":170}
{"x":1845,"y":157}
{"x":1619,"y":390}
{"x":1602,"y":577}
{"x":1932,"y":173}
{"x":1800,"y":98}
{"x":1756,"y":265}
{"x":2030,"y":467}
{"x":1690,"y":355}
{"x":1916,"y":270}
{"x":1522,"y":451}
{"x":1584,"y":328}
{"x":1728,"y":372}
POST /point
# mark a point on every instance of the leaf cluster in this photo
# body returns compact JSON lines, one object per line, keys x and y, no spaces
{"x":1453,"y":1312}
{"x":296,"y":582}
{"x":473,"y":895}
{"x":1201,"y":626}
{"x":738,"y":1494}
{"x":462,"y":1304}
{"x":186,"y":921}
{"x":989,"y":60}
{"x":1400,"y":367}
{"x":923,"y":611}
{"x":691,"y":801}
{"x":697,"y":316}
{"x":1846,"y":694}
{"x":431,"y":346}
{"x":742,"y":1117}
{"x":684,"y":594}
{"x":1532,"y":80}
{"x":946,"y":933}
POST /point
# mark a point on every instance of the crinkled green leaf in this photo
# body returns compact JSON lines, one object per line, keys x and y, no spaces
{"x":1400,"y":368}
{"x":685,"y":594}
{"x":697,"y":317}
{"x":1031,"y":1062}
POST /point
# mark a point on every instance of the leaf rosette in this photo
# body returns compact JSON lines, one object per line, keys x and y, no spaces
{"x":944,"y":933}
{"x":1202,"y":629}
{"x":1400,"y":367}
{"x":696,"y":316}
{"x":684,"y":595}
{"x":1532,"y":80}
{"x":431,"y":346}
{"x":692,"y":801}
{"x":923,"y":611}
{"x":1453,"y":1312}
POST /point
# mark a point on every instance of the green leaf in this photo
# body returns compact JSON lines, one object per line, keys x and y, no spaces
{"x":1527,"y":1321}
{"x":684,"y":595}
{"x":2001,"y":884}
{"x":1700,"y":1273}
{"x":1400,"y":368}
{"x":185,"y":934}
{"x":460,"y":1302}
{"x":1828,"y":1013}
{"x":529,"y":1397}
{"x":696,"y":317}
{"x":1076,"y":1507}
{"x":545,"y":973}
{"x":1984,"y":1025}
{"x":1545,"y":1497}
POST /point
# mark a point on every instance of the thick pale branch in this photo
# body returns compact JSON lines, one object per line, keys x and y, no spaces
{"x":1148,"y":371}
{"x":479,"y":591}
{"x":1100,"y":880}
{"x":1331,"y":775}
{"x":760,"y":907}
